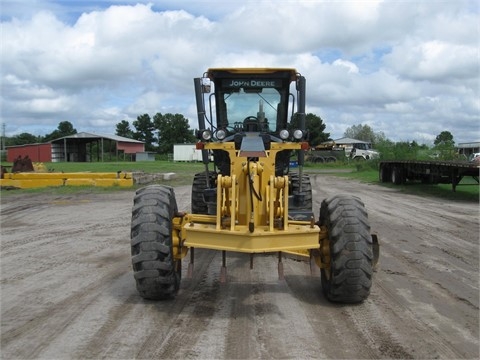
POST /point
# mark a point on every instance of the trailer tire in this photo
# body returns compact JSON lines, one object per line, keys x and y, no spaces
{"x":157,"y":274}
{"x":398,"y":176}
{"x":384,"y":174}
{"x":199,"y":206}
{"x":348,"y":278}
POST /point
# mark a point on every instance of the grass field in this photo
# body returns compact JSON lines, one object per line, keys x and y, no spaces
{"x":468,"y":190}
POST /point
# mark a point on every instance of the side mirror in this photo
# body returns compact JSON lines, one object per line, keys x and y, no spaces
{"x":206,"y":85}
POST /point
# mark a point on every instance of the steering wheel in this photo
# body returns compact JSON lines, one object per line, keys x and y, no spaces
{"x":250,"y":123}
{"x":250,"y":118}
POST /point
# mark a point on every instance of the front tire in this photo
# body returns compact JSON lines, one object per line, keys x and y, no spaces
{"x":348,"y":278}
{"x":156,"y":272}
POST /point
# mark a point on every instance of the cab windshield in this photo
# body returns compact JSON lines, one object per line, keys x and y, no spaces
{"x":251,"y":105}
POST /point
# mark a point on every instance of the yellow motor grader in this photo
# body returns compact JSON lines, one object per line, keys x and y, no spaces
{"x":253,"y":196}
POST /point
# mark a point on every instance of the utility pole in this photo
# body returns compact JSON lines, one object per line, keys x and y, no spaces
{"x":2,"y":141}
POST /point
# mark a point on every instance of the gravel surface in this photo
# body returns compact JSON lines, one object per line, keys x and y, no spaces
{"x":67,"y":289}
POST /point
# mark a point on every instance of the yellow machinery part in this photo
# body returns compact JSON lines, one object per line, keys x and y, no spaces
{"x":252,"y":210}
{"x":35,"y":180}
{"x":71,"y":175}
{"x":293,"y":238}
{"x":28,"y":184}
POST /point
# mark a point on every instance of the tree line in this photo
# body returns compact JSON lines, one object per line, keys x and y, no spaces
{"x":65,"y":128}
{"x":161,"y":132}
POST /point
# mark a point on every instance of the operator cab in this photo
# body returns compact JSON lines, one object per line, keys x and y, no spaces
{"x":251,"y":101}
{"x":251,"y":108}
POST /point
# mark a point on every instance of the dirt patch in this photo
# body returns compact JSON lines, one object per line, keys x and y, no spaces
{"x":67,"y":289}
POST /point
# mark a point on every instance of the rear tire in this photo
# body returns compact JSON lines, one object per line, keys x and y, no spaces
{"x":307,"y":190}
{"x":156,"y":272}
{"x":199,"y":206}
{"x":299,"y":203}
{"x":348,"y":279}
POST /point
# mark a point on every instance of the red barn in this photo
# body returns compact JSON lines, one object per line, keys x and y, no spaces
{"x":36,"y":152}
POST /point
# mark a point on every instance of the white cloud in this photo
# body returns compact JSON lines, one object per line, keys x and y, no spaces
{"x":351,"y":67}
{"x":386,"y":63}
{"x":435,"y":61}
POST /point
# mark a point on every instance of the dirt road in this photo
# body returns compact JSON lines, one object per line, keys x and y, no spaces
{"x":67,"y":289}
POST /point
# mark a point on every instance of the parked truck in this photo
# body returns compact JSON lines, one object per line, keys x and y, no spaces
{"x":326,"y":153}
{"x":363,"y":151}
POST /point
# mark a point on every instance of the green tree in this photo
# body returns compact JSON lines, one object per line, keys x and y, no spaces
{"x":445,"y":138}
{"x":445,"y":146}
{"x":402,"y":150}
{"x":24,"y":138}
{"x":65,"y":128}
{"x":315,"y":127}
{"x":123,"y":129}
{"x":364,"y":133}
{"x":172,"y":129}
{"x":144,"y":131}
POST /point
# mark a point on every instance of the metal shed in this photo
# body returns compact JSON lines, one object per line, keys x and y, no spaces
{"x":349,"y":143}
{"x":81,"y":147}
{"x":468,"y":149}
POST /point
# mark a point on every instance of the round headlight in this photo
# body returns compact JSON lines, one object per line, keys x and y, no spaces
{"x":221,"y":134}
{"x":298,"y":134}
{"x":284,"y":134}
{"x":206,"y":135}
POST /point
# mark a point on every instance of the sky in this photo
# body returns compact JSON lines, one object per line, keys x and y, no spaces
{"x":408,"y":69}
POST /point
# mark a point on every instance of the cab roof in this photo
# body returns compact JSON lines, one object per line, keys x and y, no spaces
{"x":214,"y":73}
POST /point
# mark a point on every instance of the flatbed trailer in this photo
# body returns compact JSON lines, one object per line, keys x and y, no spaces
{"x":428,"y":172}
